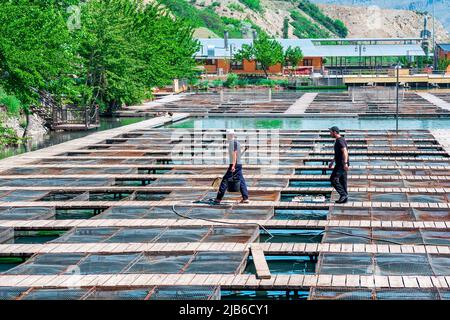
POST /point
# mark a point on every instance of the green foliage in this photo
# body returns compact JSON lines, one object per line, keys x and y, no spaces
{"x":8,"y":136}
{"x":235,"y":7}
{"x":335,"y":26}
{"x":122,"y":49}
{"x":293,"y":56}
{"x":206,"y":18}
{"x":215,"y":4}
{"x":217,"y":83}
{"x":12,"y":104}
{"x":286,"y":28}
{"x":232,"y":80}
{"x":35,"y":48}
{"x":127,"y":48}
{"x":255,"y":5}
{"x":443,"y":64}
{"x":233,"y":26}
{"x":304,"y":28}
{"x":405,"y":62}
{"x":263,"y":50}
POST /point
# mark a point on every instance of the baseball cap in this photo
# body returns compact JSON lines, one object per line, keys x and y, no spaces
{"x":334,"y":129}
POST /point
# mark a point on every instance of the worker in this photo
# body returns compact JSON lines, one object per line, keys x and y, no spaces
{"x":341,"y":164}
{"x":234,"y":169}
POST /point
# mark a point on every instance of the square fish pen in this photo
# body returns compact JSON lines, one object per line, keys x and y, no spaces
{"x":131,"y":221}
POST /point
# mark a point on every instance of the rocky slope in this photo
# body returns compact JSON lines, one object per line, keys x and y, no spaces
{"x":362,"y":21}
{"x":385,"y":23}
{"x":441,"y":7}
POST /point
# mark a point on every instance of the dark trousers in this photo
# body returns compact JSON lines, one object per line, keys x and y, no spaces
{"x":338,"y":180}
{"x":237,"y":174}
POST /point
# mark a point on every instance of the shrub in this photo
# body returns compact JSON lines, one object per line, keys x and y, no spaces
{"x":232,"y":80}
{"x":255,"y":5}
{"x":235,"y":7}
{"x":335,"y":26}
{"x":217,"y":83}
{"x":304,"y":28}
{"x":12,"y":104}
{"x":8,"y":136}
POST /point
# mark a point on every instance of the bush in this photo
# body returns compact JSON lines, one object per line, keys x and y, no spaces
{"x":203,"y":85}
{"x":304,"y":28}
{"x":8,"y":136}
{"x":12,"y":104}
{"x":255,"y":5}
{"x":232,"y":80}
{"x":335,"y":26}
{"x":215,"y":4}
{"x":217,"y":83}
{"x":235,"y":7}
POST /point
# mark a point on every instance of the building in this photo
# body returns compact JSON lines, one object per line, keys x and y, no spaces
{"x":443,"y":50}
{"x":216,"y":55}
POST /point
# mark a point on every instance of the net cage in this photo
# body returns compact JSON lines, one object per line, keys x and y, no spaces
{"x":392,"y":214}
{"x":387,"y":236}
{"x":94,"y":293}
{"x":217,"y":234}
{"x":379,"y":294}
{"x":141,"y":263}
{"x":132,"y":263}
{"x":384,"y":264}
{"x":376,"y":94}
{"x":245,"y":96}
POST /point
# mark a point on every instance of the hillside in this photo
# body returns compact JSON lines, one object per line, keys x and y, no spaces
{"x":375,"y":22}
{"x":441,"y":7}
{"x":240,"y":17}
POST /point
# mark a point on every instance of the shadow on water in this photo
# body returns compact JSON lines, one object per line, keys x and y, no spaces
{"x":54,"y":138}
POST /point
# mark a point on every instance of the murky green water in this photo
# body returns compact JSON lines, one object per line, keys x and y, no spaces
{"x":309,"y":123}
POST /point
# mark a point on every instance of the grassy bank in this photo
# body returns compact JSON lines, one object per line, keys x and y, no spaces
{"x":10,"y":107}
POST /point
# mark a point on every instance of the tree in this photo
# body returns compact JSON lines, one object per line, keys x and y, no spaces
{"x":168,"y":48}
{"x":35,"y":49}
{"x":293,"y":56}
{"x":128,"y":47}
{"x":121,"y":50}
{"x":286,"y":28}
{"x":263,"y":50}
{"x":443,"y":64}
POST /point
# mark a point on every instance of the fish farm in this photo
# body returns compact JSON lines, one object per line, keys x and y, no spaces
{"x":123,"y":213}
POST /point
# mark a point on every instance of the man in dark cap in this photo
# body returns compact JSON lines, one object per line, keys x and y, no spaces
{"x":341,"y":164}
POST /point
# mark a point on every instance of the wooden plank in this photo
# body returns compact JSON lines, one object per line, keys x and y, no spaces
{"x":259,"y":260}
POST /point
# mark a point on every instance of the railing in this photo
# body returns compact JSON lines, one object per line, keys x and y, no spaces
{"x":385,"y":72}
{"x":75,"y":115}
{"x":86,"y":116}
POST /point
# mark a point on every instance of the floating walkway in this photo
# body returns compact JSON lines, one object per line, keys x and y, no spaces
{"x":435,"y":100}
{"x":113,"y":203}
{"x":300,"y":106}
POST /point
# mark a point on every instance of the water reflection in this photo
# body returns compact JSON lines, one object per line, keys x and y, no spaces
{"x":54,"y":138}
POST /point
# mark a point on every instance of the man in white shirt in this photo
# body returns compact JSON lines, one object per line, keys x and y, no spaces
{"x":234,"y":169}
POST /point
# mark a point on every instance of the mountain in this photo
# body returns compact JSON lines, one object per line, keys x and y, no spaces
{"x":303,"y":18}
{"x":373,"y":22}
{"x":441,"y":7}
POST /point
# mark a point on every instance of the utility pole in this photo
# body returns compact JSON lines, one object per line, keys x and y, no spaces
{"x":434,"y":39}
{"x":397,"y":68}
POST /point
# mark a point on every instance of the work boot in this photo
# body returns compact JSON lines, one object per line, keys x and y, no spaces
{"x":342,"y":199}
